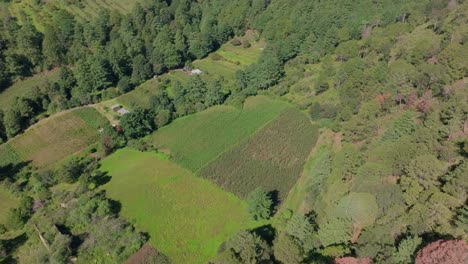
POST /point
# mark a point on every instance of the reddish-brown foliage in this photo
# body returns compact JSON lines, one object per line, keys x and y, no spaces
{"x":147,"y":255}
{"x":444,"y":252}
{"x":351,"y":260}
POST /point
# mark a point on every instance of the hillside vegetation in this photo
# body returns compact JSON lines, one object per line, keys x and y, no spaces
{"x":318,"y":131}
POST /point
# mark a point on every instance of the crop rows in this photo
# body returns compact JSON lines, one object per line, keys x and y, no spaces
{"x":273,"y":158}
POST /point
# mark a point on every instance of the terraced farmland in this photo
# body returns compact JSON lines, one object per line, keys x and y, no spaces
{"x":273,"y":158}
{"x":195,"y":140}
{"x":54,"y":138}
{"x":187,"y":217}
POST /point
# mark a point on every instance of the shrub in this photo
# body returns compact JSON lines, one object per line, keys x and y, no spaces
{"x":236,"y":42}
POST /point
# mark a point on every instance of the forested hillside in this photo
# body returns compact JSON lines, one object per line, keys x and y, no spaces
{"x":327,"y":131}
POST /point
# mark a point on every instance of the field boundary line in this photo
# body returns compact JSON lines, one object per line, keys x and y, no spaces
{"x":250,"y":136}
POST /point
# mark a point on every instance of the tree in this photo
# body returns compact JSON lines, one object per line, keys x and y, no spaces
{"x":29,"y":43}
{"x":245,"y":248}
{"x":60,"y":249}
{"x":137,"y":123}
{"x":163,"y":117}
{"x":141,"y":69}
{"x":124,"y":85}
{"x":407,"y":250}
{"x":259,"y":204}
{"x":161,"y":101}
{"x":302,"y":228}
{"x":426,"y":169}
{"x":53,"y":50}
{"x":70,"y":171}
{"x":335,"y":231}
{"x":456,"y":182}
{"x":288,"y":250}
{"x":214,"y":94}
{"x":18,"y":216}
{"x":443,"y":252}
{"x":12,"y":122}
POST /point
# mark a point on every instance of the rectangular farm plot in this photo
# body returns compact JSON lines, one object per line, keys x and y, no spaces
{"x":272,"y":159}
{"x":54,"y":138}
{"x":196,"y":140}
{"x":187,"y":217}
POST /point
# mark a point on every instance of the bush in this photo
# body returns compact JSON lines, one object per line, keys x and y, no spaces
{"x":124,"y":85}
{"x":236,"y":42}
{"x":216,"y":57}
{"x":245,"y":44}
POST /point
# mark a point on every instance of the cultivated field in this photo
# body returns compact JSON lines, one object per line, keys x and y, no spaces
{"x":195,"y":140}
{"x":273,"y":158}
{"x":7,"y":201}
{"x":187,"y":217}
{"x":26,"y":87}
{"x":54,"y":138}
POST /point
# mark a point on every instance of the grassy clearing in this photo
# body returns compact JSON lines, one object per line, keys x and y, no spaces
{"x":229,"y":58}
{"x":54,"y":138}
{"x":273,"y":158}
{"x":195,"y":140}
{"x":7,"y":201}
{"x":26,"y":87}
{"x":187,"y":217}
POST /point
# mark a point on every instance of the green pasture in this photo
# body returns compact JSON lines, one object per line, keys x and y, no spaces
{"x":186,"y":217}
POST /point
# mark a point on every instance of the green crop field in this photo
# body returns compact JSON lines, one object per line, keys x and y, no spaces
{"x":7,"y":201}
{"x":273,"y":158}
{"x":195,"y":140}
{"x":54,"y":138}
{"x":26,"y":87}
{"x":187,"y":217}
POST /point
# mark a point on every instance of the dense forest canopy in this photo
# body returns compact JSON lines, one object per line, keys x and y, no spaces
{"x":387,"y":181}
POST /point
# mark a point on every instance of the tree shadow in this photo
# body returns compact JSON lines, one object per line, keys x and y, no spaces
{"x":275,"y":201}
{"x":101,"y":178}
{"x":76,"y":240}
{"x":115,"y":206}
{"x":9,"y":170}
{"x":266,"y":232}
{"x":318,"y":258}
{"x":13,"y":244}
